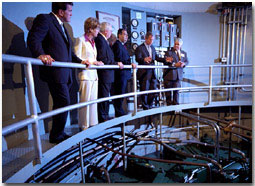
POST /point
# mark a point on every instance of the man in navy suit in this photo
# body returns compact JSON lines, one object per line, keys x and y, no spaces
{"x":49,"y":41}
{"x":145,"y":54}
{"x":105,"y":76}
{"x":173,"y":77}
{"x":121,"y":76}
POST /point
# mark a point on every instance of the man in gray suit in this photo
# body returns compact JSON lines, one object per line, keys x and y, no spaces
{"x":173,"y":77}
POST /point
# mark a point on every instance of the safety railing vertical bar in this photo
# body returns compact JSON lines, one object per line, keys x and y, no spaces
{"x":33,"y":111}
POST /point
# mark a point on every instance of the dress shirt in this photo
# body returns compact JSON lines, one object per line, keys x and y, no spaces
{"x":149,"y":49}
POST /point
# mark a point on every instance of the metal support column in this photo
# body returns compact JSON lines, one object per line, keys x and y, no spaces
{"x":135,"y":91}
{"x":239,"y":119}
{"x":124,"y":147}
{"x":82,"y":163}
{"x":239,"y":72}
{"x":198,"y":123}
{"x":33,"y":112}
{"x":244,"y":37}
{"x":161,"y":122}
{"x":210,"y":85}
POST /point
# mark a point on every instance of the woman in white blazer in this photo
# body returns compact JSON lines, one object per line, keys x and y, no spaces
{"x":85,"y":49}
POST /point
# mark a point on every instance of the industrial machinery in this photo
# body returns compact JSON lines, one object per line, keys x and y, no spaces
{"x":146,"y":155}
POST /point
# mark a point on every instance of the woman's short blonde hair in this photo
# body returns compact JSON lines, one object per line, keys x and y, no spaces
{"x":91,"y":23}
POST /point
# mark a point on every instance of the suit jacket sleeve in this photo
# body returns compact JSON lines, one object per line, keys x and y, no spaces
{"x":101,"y":52}
{"x":37,"y":34}
{"x":78,"y":48}
{"x":186,"y":61}
{"x":76,"y":57}
{"x":117,"y":52}
{"x":139,"y":57}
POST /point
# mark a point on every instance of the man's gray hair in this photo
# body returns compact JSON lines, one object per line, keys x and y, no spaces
{"x":179,"y":40}
{"x":105,"y":26}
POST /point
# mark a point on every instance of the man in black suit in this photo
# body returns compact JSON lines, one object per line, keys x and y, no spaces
{"x":48,"y":40}
{"x":145,"y":54}
{"x":121,"y":76}
{"x":173,"y":77}
{"x":105,"y":76}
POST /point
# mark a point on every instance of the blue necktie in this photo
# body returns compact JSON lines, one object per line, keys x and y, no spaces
{"x":63,"y":29}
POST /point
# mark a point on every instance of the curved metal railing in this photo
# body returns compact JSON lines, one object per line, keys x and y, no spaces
{"x":34,"y":118}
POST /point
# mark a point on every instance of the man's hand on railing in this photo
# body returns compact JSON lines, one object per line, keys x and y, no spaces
{"x":121,"y":65}
{"x":85,"y":62}
{"x":147,"y":60}
{"x":169,"y":59}
{"x":98,"y":63}
{"x":133,"y":65}
{"x":46,"y":59}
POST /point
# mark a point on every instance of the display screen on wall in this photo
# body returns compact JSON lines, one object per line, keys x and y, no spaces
{"x":114,"y":20}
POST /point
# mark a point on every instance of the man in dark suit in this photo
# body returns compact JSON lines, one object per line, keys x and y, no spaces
{"x":121,"y":76}
{"x":145,"y":54}
{"x":173,"y":77}
{"x":105,"y":76}
{"x":48,"y":40}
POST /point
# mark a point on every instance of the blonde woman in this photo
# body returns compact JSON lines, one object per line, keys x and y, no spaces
{"x":85,"y":48}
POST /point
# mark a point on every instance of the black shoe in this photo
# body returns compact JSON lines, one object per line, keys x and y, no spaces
{"x":59,"y":139}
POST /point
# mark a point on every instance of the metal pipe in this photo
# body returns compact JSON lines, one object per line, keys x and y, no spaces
{"x":210,"y":85}
{"x":239,"y":72}
{"x":213,"y":125}
{"x":158,"y":160}
{"x":124,"y":146}
{"x":228,"y":41}
{"x":228,"y":51}
{"x":161,"y":123}
{"x":237,"y":45}
{"x":135,"y":91}
{"x":224,"y":34}
{"x":198,"y":123}
{"x":82,"y":163}
{"x":33,"y":112}
{"x":239,"y":119}
{"x":232,"y":69}
{"x":244,"y":39}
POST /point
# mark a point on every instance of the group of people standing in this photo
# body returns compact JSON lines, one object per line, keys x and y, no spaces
{"x":49,"y":40}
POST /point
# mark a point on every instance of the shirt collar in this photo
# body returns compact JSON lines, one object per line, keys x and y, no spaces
{"x":121,"y":42}
{"x":59,"y":21}
{"x":103,"y":36}
{"x":147,"y":45}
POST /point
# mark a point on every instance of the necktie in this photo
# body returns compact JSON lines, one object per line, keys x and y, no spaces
{"x":149,"y":50}
{"x":179,"y":55}
{"x":63,"y":29}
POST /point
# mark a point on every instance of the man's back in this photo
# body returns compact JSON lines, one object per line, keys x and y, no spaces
{"x":104,"y":54}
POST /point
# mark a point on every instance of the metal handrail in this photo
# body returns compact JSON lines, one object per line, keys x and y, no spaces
{"x":35,"y":117}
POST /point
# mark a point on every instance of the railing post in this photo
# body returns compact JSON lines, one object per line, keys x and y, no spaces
{"x":82,"y":162}
{"x":124,"y":147}
{"x":198,"y":123}
{"x":161,"y":123}
{"x":135,"y":91}
{"x":210,"y":85}
{"x":33,"y":112}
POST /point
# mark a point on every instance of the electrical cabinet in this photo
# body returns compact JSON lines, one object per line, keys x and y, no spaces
{"x":138,"y":28}
{"x":155,"y":28}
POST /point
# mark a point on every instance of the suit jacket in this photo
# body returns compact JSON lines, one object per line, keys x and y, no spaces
{"x":121,"y":54}
{"x":46,"y":37}
{"x":104,"y":54}
{"x":175,"y":74}
{"x":84,"y":50}
{"x":141,"y":53}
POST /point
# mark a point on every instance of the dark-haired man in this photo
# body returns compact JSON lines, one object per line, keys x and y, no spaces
{"x":49,"y":41}
{"x":145,"y":54}
{"x":122,"y":76}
